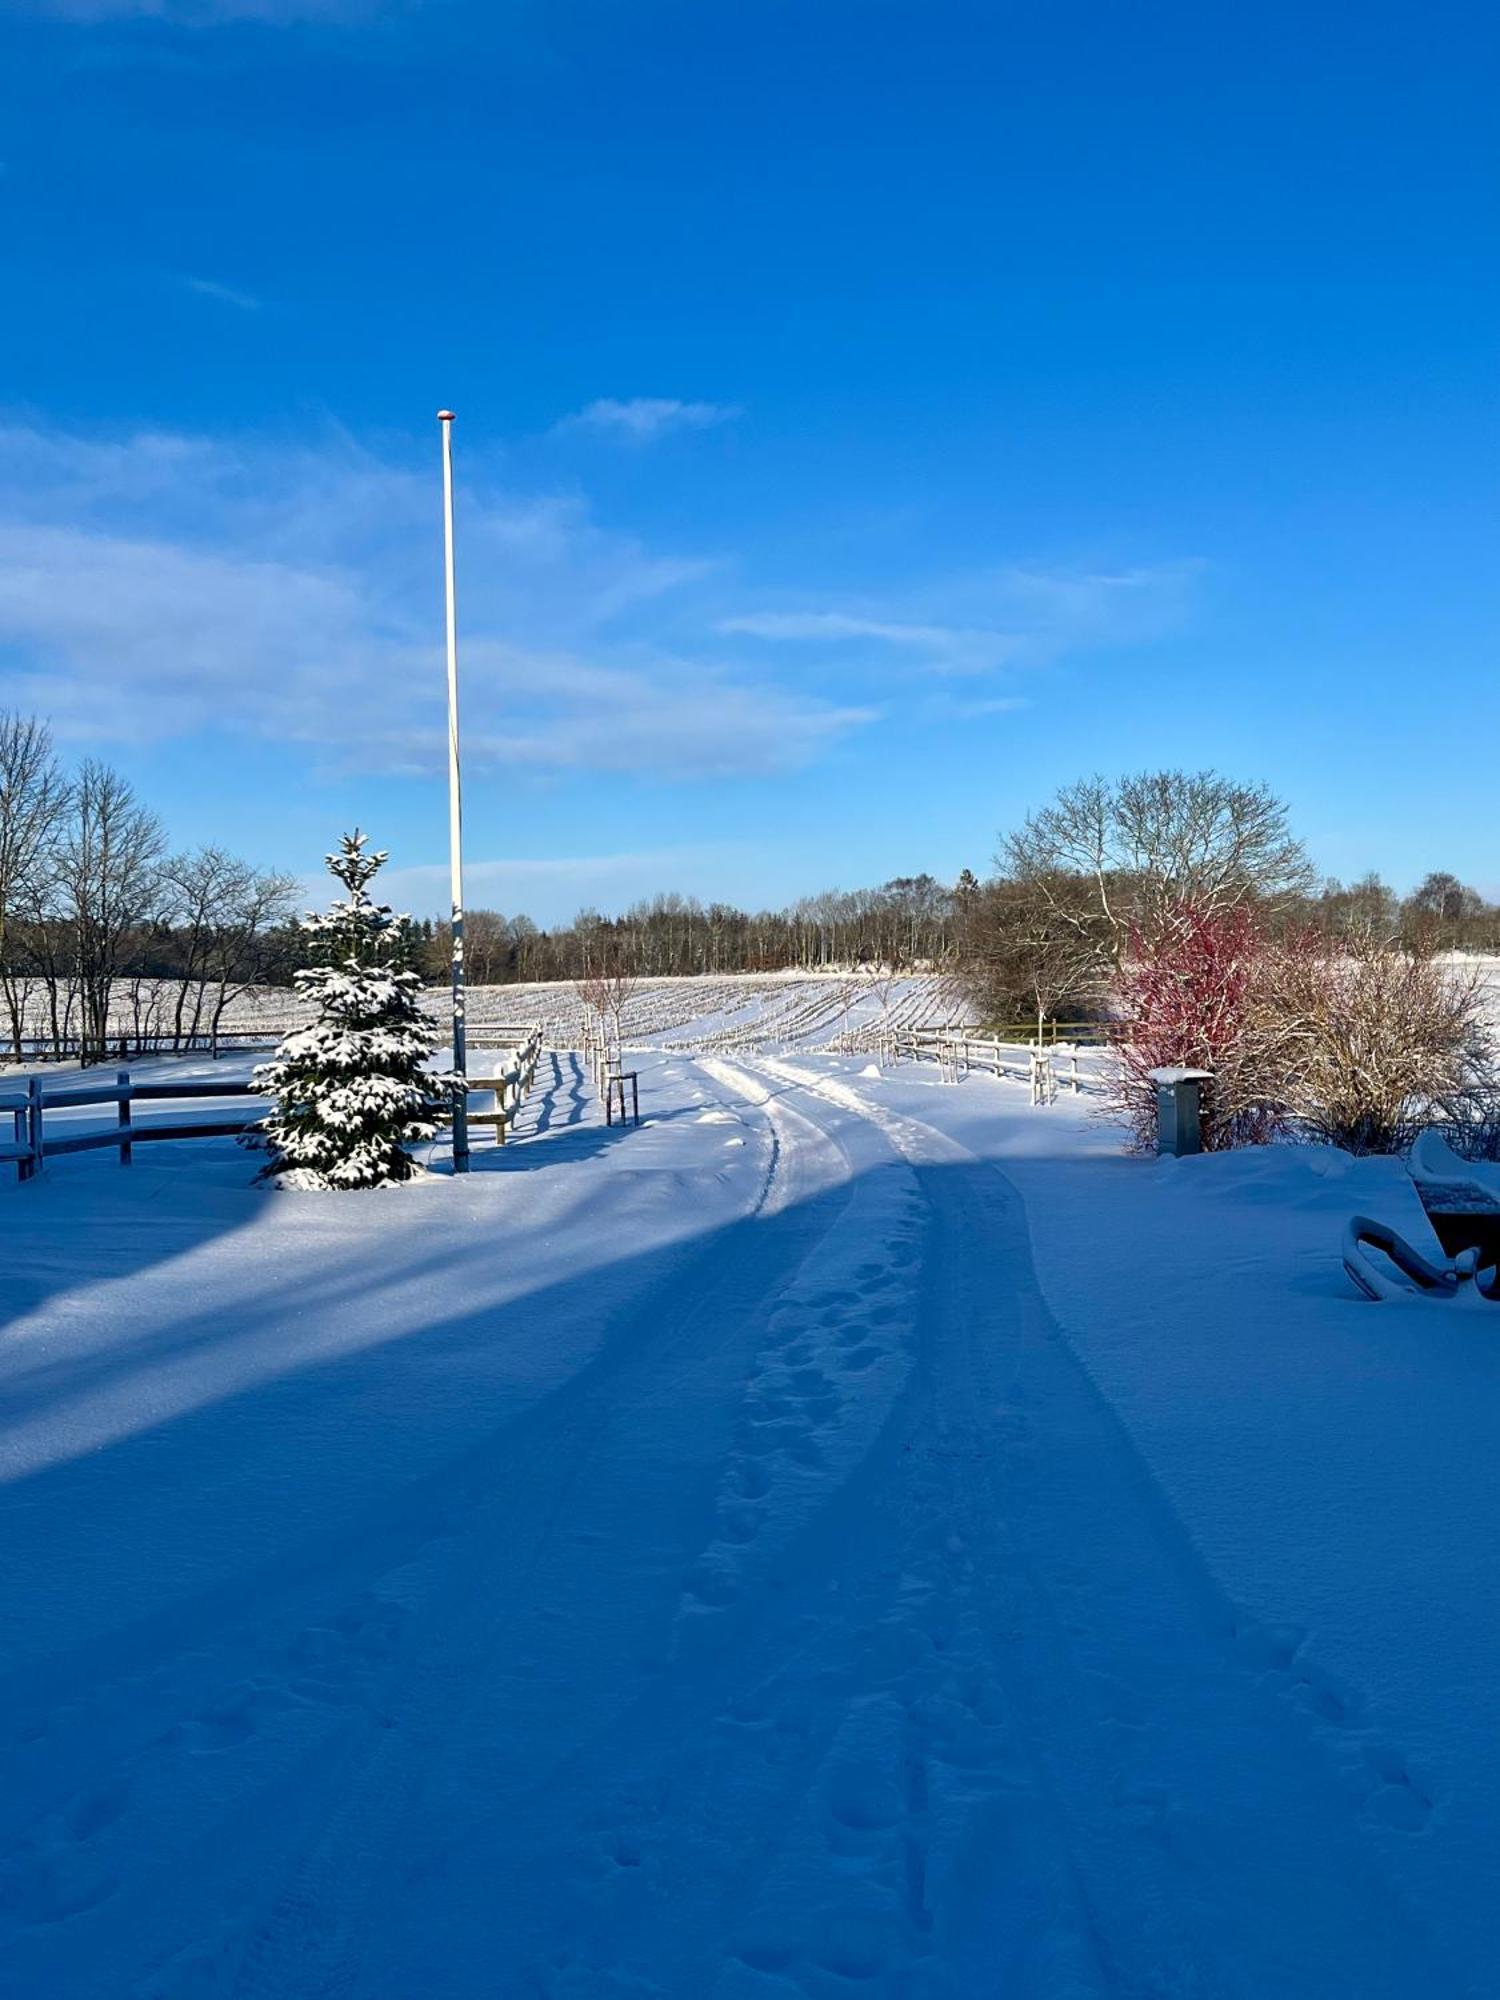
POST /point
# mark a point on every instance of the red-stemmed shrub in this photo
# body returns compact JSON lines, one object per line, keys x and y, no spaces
{"x":1355,"y":1041}
{"x":1189,"y":996}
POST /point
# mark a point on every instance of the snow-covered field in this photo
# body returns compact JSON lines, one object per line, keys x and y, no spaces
{"x":787,"y":1009}
{"x":740,"y":1010}
{"x":852,"y":1535}
{"x":744,"y":1010}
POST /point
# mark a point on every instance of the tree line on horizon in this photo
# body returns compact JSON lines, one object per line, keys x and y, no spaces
{"x":911,"y":923}
{"x":96,"y":908}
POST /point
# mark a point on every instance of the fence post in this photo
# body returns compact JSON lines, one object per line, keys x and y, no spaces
{"x":1043,"y":1078}
{"x":34,"y":1123}
{"x":126,"y":1151}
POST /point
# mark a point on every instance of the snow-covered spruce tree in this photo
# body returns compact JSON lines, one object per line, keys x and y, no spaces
{"x":352,"y":1089}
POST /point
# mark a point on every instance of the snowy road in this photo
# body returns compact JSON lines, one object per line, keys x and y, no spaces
{"x":762,"y":1604}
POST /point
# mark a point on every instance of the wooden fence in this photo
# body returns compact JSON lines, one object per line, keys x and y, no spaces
{"x":124,"y":1043}
{"x":1023,"y":1034}
{"x":1046,"y":1068}
{"x":31,"y":1143}
{"x":26,"y":1102}
{"x":509,"y":1087}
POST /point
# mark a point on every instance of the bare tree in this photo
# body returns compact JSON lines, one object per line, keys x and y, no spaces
{"x":526,"y":941}
{"x":195,"y":887}
{"x":222,"y":913}
{"x":247,"y":942}
{"x":968,"y":896}
{"x":593,"y":1001}
{"x":487,"y":948}
{"x":617,"y":985}
{"x":1366,"y":908}
{"x":33,"y":799}
{"x":1443,"y":896}
{"x":884,"y":982}
{"x":1148,"y":844}
{"x":1443,"y":913}
{"x":108,"y":881}
{"x":1035,"y":945}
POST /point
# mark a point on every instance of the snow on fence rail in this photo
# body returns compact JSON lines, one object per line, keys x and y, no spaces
{"x":31,"y":1144}
{"x":124,"y":1042}
{"x":508,"y":1088}
{"x":1046,"y":1067}
{"x":26,"y":1104}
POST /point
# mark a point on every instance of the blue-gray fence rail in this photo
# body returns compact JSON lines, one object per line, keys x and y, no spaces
{"x":122,"y":1043}
{"x":26,"y":1103}
{"x":27,"y":1107}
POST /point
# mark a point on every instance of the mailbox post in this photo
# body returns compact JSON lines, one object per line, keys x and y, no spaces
{"x":1179,"y":1122}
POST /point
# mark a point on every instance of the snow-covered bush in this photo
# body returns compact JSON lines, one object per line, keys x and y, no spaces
{"x":1354,"y":1041}
{"x":1375,"y":1041}
{"x":352,"y":1088}
{"x":1472,"y":1128}
{"x":1190,"y":994}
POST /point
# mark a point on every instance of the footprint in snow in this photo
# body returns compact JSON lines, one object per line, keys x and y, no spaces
{"x":90,"y":1813}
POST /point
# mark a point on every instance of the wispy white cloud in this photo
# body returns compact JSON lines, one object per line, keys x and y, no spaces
{"x":155,"y":586}
{"x":960,"y":649}
{"x":1011,"y":617}
{"x":508,"y":884}
{"x":226,"y":295}
{"x":159,"y":585}
{"x":957,"y":708}
{"x":638,"y":419}
{"x":208,"y":13}
{"x":1083,"y":604}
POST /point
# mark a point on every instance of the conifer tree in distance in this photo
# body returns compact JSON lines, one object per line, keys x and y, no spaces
{"x":352,"y":1088}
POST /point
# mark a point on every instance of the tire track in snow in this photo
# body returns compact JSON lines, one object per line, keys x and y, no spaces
{"x":731,"y":1741}
{"x":1190,"y":1810}
{"x":973,"y":1720}
{"x":310,"y":1943}
{"x":835,"y":1353}
{"x":319,"y":1689}
{"x":925,"y":1776}
{"x":838,"y":1707}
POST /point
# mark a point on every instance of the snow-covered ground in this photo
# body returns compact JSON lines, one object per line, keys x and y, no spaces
{"x":788,"y":1009}
{"x":812,"y":1011}
{"x":850,"y":1535}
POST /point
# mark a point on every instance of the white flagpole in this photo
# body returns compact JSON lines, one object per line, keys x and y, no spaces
{"x":455,"y":813}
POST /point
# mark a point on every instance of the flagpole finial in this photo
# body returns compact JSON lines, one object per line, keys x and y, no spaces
{"x":446,"y":416}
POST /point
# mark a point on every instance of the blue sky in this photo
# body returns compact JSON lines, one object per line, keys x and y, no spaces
{"x":871,"y":416}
